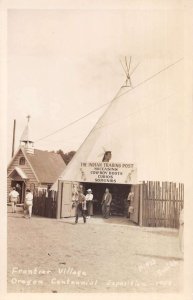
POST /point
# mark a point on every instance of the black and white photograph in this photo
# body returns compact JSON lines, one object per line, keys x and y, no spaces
{"x":98,"y":116}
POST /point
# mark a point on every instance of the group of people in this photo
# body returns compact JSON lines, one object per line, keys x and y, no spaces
{"x":84,"y":204}
{"x":14,"y":199}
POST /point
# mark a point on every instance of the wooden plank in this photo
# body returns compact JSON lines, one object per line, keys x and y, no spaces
{"x":162,"y":199}
{"x":177,"y":196}
{"x":134,"y":217}
{"x":157,"y":206}
{"x":173,"y":196}
{"x":163,"y":212}
{"x":146,"y":204}
{"x":167,"y":203}
{"x":168,"y":207}
{"x":175,"y":200}
{"x":170,"y":204}
{"x":146,"y":208}
{"x":164,"y":206}
{"x":176,"y":211}
{"x":152,"y":204}
{"x":141,"y":205}
{"x":155,"y":203}
{"x":149,"y":204}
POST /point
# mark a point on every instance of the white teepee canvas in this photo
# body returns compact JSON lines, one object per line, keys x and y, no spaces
{"x":143,"y":126}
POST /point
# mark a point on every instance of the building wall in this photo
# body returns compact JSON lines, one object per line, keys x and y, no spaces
{"x":31,"y":182}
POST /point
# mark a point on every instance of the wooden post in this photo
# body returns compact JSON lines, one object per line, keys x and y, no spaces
{"x":13,"y":143}
{"x":58,"y":200}
{"x":141,"y":205}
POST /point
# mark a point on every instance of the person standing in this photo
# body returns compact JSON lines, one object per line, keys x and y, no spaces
{"x":80,"y":207}
{"x":106,"y":202}
{"x":130,"y":200}
{"x":89,"y":202}
{"x":14,"y":197}
{"x":126,"y":208}
{"x":130,"y":197}
{"x":29,"y":202}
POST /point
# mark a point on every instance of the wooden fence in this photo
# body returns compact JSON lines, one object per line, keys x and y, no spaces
{"x":44,"y":205}
{"x":161,"y":204}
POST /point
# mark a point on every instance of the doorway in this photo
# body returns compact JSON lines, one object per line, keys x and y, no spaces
{"x":119,"y":204}
{"x":20,"y":188}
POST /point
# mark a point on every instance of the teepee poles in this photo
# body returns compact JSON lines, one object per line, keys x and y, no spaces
{"x":127,"y":67}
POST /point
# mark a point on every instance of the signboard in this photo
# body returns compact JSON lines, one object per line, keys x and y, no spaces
{"x":108,"y":172}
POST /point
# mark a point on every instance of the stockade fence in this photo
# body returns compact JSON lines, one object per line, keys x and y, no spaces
{"x":161,"y":203}
{"x":44,"y":204}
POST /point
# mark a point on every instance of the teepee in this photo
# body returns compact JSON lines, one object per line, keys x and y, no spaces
{"x":143,"y":125}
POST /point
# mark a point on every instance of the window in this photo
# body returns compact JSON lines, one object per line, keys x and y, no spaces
{"x":22,"y":161}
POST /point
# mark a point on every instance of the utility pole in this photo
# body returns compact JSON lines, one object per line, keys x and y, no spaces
{"x":13,"y":143}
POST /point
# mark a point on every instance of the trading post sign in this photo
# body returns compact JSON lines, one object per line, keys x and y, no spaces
{"x":106,"y":172}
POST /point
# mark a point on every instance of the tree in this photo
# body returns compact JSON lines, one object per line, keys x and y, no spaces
{"x":66,"y":156}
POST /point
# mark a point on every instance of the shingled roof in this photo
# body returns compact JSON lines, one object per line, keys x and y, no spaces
{"x":47,"y":165}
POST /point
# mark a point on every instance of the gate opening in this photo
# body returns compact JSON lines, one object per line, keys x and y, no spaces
{"x":119,"y":204}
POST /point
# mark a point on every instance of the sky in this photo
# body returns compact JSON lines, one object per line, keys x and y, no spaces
{"x":64,"y":63}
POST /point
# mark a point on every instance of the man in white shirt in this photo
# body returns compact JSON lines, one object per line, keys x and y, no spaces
{"x":130,"y":200}
{"x":89,"y":202}
{"x":29,"y":202}
{"x":14,"y":197}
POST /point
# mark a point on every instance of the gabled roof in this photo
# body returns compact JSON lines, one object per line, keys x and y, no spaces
{"x":19,"y":171}
{"x":46,"y":165}
{"x":21,"y":148}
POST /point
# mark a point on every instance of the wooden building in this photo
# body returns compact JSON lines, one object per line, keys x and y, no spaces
{"x":32,"y":168}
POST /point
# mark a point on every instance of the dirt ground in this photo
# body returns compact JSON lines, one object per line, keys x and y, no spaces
{"x":56,"y":256}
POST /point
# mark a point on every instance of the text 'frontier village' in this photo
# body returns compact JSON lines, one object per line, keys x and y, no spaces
{"x":123,"y":175}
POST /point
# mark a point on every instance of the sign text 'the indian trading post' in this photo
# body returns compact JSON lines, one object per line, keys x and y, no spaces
{"x":106,"y":172}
